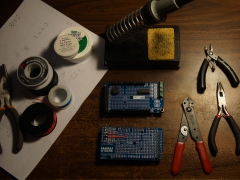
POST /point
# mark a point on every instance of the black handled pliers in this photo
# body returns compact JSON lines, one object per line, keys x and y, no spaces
{"x":222,"y":111}
{"x":5,"y":104}
{"x":210,"y":60}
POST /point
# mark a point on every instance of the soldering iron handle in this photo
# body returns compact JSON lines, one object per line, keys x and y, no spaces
{"x":17,"y":134}
{"x":231,"y":75}
{"x":204,"y":157}
{"x":236,"y":131}
{"x":212,"y":135}
{"x":201,"y":79}
{"x":177,"y":159}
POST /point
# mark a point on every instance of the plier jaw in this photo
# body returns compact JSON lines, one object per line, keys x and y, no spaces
{"x":209,"y":53}
{"x":222,"y":111}
{"x":211,"y":57}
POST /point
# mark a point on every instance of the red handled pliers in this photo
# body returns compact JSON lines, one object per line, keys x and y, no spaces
{"x":189,"y":124}
{"x":5,"y":104}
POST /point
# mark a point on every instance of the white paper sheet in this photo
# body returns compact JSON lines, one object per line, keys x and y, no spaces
{"x":31,"y":31}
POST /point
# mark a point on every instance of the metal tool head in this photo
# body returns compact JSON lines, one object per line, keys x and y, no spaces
{"x":184,"y":129}
{"x":221,"y":98}
{"x":188,"y":102}
{"x":188,"y":109}
{"x":209,"y":52}
{"x":4,"y":85}
{"x":211,"y":57}
{"x":208,"y":49}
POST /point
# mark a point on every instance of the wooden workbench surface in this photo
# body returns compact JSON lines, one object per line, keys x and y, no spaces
{"x":74,"y":153}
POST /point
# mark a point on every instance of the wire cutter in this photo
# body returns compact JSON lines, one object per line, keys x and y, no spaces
{"x":6,"y":104}
{"x":210,"y":60}
{"x":222,"y":111}
{"x":189,"y":124}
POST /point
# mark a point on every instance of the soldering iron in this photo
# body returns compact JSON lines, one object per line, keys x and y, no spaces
{"x":155,"y":11}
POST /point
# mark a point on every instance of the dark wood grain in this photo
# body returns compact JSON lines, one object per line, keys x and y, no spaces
{"x":74,"y":153}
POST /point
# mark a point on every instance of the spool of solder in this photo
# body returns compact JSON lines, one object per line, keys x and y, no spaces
{"x":66,"y":46}
{"x":84,"y":40}
{"x":60,"y":96}
{"x":38,"y":120}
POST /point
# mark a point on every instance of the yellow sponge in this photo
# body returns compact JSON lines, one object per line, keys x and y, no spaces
{"x":161,"y":44}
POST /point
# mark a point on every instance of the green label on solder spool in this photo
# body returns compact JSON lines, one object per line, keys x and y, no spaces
{"x":81,"y":37}
{"x":82,"y":43}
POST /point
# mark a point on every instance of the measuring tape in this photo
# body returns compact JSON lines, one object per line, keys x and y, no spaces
{"x":36,"y":74}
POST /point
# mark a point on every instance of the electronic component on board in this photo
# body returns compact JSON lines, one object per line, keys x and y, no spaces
{"x":128,"y":143}
{"x":134,"y":97}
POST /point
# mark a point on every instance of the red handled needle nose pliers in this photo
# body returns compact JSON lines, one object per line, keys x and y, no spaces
{"x":222,"y":111}
{"x":5,"y":103}
{"x":189,"y":124}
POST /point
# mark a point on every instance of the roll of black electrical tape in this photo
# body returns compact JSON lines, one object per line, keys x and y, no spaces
{"x":36,"y":74}
{"x":38,"y":120}
{"x":45,"y":90}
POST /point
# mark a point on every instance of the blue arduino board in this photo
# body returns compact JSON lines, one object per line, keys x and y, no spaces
{"x":134,"y":97}
{"x":128,"y":143}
